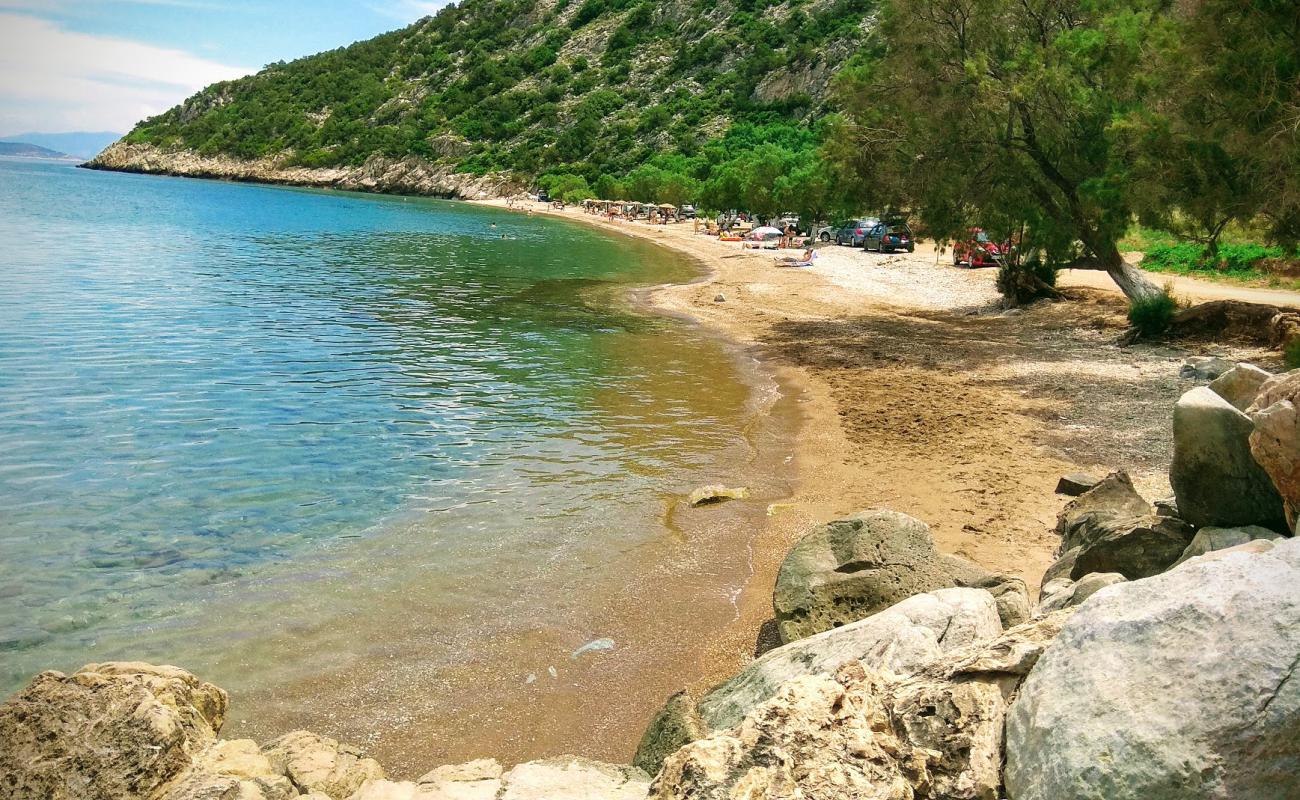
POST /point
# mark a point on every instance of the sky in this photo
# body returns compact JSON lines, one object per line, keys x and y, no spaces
{"x":103,"y":65}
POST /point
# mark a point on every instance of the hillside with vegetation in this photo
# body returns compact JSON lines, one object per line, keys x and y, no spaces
{"x":658,"y":95}
{"x":1063,"y":123}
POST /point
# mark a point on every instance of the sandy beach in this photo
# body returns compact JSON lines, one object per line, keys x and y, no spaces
{"x":918,"y":393}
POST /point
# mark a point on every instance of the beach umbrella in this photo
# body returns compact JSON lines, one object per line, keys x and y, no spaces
{"x":766,"y":230}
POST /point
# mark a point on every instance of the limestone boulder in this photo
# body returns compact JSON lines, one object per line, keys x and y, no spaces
{"x":1208,"y":540}
{"x":108,"y":731}
{"x":1066,"y":593}
{"x":1135,"y":548}
{"x":1009,"y":592}
{"x":1083,"y":517}
{"x":899,"y":640}
{"x":316,"y":763}
{"x":232,"y":769}
{"x":573,"y":778}
{"x":1275,"y":441}
{"x":849,"y":569}
{"x":1216,"y":479}
{"x":863,"y":734}
{"x":1177,"y":686}
{"x":476,"y":780}
{"x":1240,"y":384}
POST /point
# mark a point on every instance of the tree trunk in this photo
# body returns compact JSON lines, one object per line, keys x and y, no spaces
{"x":1131,"y":281}
{"x":1127,"y":277}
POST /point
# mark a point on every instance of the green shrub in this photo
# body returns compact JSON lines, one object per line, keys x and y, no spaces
{"x":1024,"y":283}
{"x":1291,"y":353}
{"x":1152,"y":315}
{"x":1188,"y":257}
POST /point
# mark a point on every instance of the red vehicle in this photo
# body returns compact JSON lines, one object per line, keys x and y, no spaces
{"x":979,"y":250}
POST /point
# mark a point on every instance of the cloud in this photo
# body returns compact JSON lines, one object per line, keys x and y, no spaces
{"x":55,"y":79}
{"x":409,"y":10}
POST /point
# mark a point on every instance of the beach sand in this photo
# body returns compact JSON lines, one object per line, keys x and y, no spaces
{"x":918,"y":393}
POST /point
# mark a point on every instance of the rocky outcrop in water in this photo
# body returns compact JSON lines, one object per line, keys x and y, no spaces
{"x":106,"y":732}
{"x":412,"y":176}
{"x":130,"y":731}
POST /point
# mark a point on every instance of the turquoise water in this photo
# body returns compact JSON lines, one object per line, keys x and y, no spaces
{"x":242,"y":425}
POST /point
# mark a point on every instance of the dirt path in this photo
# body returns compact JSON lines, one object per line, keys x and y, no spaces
{"x":1194,"y":290}
{"x":918,"y":394}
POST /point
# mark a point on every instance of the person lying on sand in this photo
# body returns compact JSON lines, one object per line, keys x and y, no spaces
{"x":809,"y":256}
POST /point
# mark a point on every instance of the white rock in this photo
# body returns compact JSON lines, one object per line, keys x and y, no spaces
{"x":1208,"y":540}
{"x":898,"y":639}
{"x":1182,"y":685}
{"x":321,"y":764}
{"x":574,"y":778}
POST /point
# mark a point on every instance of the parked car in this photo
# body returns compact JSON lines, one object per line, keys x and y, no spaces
{"x":888,"y":237}
{"x":543,"y":196}
{"x":853,"y":232}
{"x":979,"y":250}
{"x":688,"y":212}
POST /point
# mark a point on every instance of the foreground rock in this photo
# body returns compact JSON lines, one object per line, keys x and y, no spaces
{"x":107,"y":731}
{"x":849,"y":569}
{"x":1133,"y":547}
{"x":1240,"y":384}
{"x":1216,"y":479}
{"x":1066,"y":593}
{"x":1179,"y":686}
{"x":1084,"y":518}
{"x":1275,"y":442}
{"x":1208,"y":540}
{"x":133,"y":731}
{"x":898,"y":640}
{"x":561,"y":778}
{"x":865,"y":735}
{"x":320,"y":764}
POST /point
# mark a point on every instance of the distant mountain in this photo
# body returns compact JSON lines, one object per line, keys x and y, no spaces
{"x":79,"y":143}
{"x":26,"y":150}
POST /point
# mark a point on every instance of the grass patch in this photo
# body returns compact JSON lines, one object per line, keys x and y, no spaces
{"x":1239,"y":260}
{"x":1152,"y":315}
{"x":1291,"y":354}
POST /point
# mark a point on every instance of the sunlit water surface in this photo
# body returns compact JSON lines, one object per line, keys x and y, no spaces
{"x":376,"y":465}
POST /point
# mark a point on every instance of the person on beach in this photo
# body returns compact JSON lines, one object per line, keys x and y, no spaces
{"x":809,"y":256}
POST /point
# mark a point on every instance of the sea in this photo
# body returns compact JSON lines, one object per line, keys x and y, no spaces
{"x":407,"y":472}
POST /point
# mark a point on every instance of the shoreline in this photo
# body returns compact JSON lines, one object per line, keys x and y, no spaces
{"x":816,"y":447}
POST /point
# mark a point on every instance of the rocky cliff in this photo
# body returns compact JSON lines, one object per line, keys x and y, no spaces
{"x":413,"y":176}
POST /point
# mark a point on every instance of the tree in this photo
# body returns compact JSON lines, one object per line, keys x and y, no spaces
{"x":566,"y":187}
{"x":980,"y":109}
{"x":1221,"y":141}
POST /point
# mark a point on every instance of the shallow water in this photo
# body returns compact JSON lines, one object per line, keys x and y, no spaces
{"x":376,"y":465}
